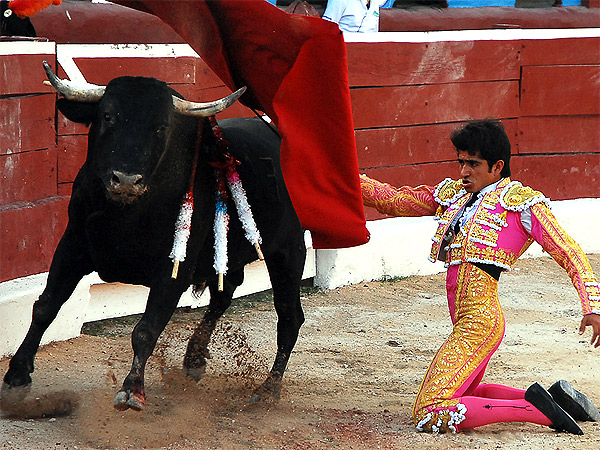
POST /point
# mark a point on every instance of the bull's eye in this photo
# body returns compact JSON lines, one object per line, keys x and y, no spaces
{"x":107,"y":117}
{"x":161,"y":129}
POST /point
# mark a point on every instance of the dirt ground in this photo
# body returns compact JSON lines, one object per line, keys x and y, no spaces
{"x":350,"y":382}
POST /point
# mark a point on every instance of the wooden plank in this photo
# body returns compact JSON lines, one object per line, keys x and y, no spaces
{"x":26,"y":123}
{"x":30,"y":234}
{"x":403,"y":63}
{"x":72,"y":151}
{"x":170,"y":70}
{"x":429,"y":104}
{"x":24,"y":74}
{"x":379,"y":147}
{"x":414,"y":174}
{"x":205,"y":77}
{"x":560,"y":90}
{"x":27,"y":176}
{"x":562,"y":134}
{"x":547,"y":52}
{"x":65,"y":189}
{"x":66,"y":127}
{"x":560,"y":177}
{"x":382,"y":147}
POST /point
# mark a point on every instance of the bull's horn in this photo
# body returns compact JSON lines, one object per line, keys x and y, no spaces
{"x":71,"y":91}
{"x":89,"y":92}
{"x":206,"y":109}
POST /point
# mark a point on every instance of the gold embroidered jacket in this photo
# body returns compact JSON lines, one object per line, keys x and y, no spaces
{"x":495,"y":233}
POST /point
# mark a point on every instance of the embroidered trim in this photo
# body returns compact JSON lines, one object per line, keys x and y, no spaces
{"x":500,"y":257}
{"x":483,"y":241}
{"x":483,"y":236}
{"x":448,"y":191}
{"x":488,"y":224}
{"x":500,"y":219}
{"x":516,"y":197}
{"x":490,"y":261}
{"x":447,"y":419}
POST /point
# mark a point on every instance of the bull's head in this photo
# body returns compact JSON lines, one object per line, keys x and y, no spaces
{"x":134,"y":122}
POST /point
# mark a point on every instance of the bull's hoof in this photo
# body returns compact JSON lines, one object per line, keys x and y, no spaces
{"x":129,"y":400}
{"x":15,"y":380}
{"x":269,"y":391}
{"x":194,"y":365}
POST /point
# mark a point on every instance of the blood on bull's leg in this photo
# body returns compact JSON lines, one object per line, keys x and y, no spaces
{"x":194,"y":361}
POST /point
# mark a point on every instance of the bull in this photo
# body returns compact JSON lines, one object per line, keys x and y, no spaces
{"x":145,"y":144}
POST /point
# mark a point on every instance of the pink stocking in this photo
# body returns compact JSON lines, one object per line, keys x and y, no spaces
{"x":484,"y":411}
{"x":498,"y":391}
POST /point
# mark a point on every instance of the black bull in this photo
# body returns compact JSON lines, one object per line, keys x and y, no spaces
{"x":122,"y":214}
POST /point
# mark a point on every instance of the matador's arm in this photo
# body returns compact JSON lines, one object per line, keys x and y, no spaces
{"x":403,"y":201}
{"x":568,"y":254}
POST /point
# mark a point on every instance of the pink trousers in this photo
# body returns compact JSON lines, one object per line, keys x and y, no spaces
{"x":451,"y":397}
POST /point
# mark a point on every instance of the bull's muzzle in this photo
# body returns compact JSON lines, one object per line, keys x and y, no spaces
{"x":125,"y":188}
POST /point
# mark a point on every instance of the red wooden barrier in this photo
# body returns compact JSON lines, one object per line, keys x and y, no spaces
{"x":407,"y":97}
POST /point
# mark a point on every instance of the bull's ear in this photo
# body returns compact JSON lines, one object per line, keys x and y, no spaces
{"x":79,"y":112}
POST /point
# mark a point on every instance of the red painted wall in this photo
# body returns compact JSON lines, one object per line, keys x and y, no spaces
{"x":407,"y":98}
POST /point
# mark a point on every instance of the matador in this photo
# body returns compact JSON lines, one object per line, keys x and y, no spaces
{"x":485,"y":223}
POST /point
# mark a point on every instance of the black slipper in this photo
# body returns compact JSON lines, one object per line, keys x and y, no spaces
{"x":574,"y":402}
{"x":543,"y":401}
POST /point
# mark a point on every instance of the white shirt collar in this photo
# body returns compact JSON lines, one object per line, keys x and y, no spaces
{"x":490,"y":187}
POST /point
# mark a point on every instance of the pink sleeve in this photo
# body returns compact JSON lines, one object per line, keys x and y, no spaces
{"x":401,"y":202}
{"x":567,"y":253}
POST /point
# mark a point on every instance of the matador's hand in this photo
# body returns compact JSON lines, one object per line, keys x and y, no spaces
{"x":592,"y":320}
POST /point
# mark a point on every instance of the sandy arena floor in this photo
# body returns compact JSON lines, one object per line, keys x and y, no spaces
{"x":350,"y":383}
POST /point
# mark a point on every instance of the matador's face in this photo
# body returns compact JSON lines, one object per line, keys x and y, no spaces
{"x":475,"y":172}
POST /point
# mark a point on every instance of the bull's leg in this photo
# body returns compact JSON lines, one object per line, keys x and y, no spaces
{"x":67,"y":268}
{"x":285,"y":270}
{"x":194,"y":362}
{"x":162,"y":301}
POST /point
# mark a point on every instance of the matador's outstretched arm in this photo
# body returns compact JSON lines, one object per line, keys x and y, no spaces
{"x":404,"y":201}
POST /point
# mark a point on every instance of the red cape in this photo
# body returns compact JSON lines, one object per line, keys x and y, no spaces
{"x":295,"y":69}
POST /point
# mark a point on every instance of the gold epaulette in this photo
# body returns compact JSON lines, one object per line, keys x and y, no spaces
{"x":516,"y":197}
{"x":448,"y":191}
